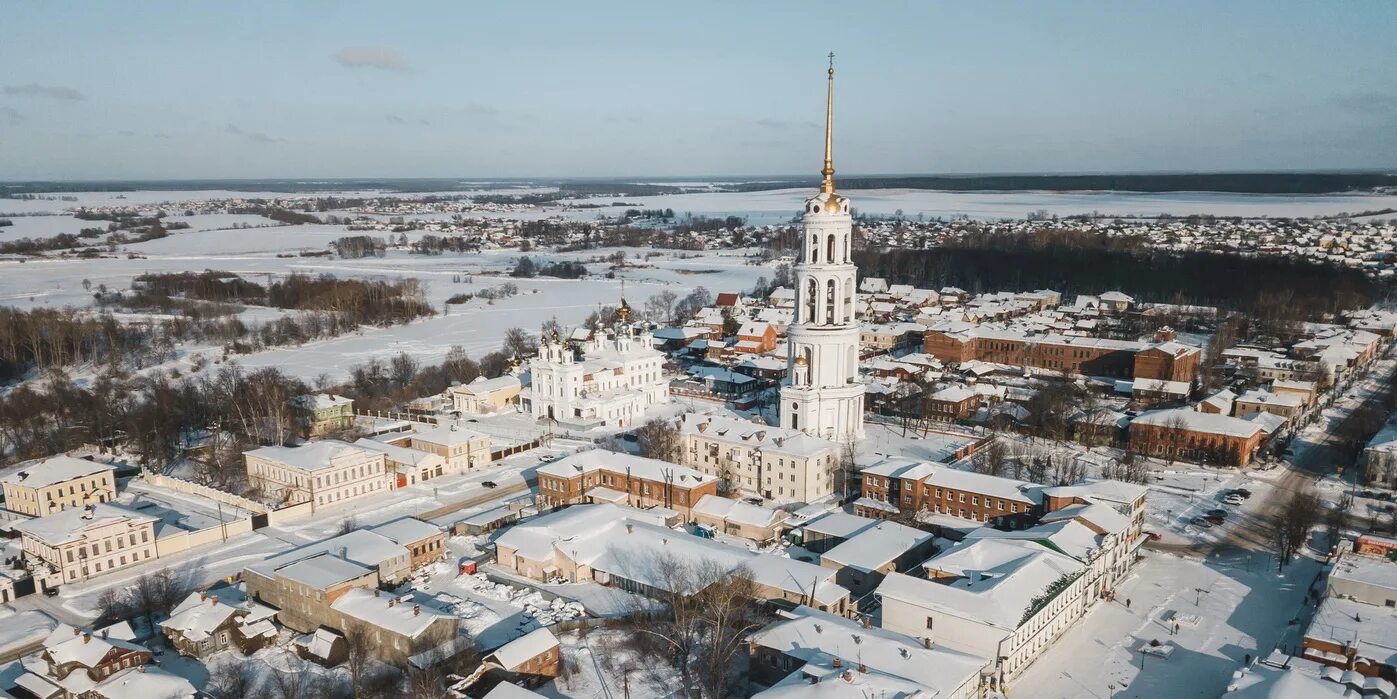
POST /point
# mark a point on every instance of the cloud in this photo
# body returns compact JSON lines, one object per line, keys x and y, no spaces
{"x":255,"y":136}
{"x":10,"y":115}
{"x":395,"y":119}
{"x":477,"y":109}
{"x":57,"y":92}
{"x":371,"y":57}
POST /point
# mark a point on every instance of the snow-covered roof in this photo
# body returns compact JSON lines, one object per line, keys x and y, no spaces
{"x":1285,"y":400}
{"x":811,"y":635}
{"x":42,"y":473}
{"x":448,"y":435}
{"x":616,"y":462}
{"x":482,"y":385}
{"x":839,"y":524}
{"x":777,"y":440}
{"x":738,"y":511}
{"x":407,"y":530}
{"x":311,"y":456}
{"x":1195,"y":421}
{"x":146,"y":682}
{"x":1106,"y":518}
{"x":505,"y":690}
{"x":876,"y":546}
{"x":1066,"y":535}
{"x":320,"y":571}
{"x":995,"y":580}
{"x":401,"y":455}
{"x":69,"y":523}
{"x":320,"y":401}
{"x":69,"y":644}
{"x":385,"y":612}
{"x":525,"y":648}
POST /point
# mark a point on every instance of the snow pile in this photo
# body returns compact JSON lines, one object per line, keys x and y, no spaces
{"x":549,"y":613}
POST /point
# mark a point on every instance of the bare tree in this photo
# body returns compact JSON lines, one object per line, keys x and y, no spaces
{"x":1292,"y":528}
{"x":518,"y":343}
{"x":660,"y":439}
{"x":234,"y":679}
{"x":992,"y":459}
{"x":359,"y":645}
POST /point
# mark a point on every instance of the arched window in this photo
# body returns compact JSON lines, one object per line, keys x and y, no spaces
{"x":809,"y":366}
{"x":849,"y":300}
{"x":814,"y":249}
{"x":829,"y":252}
{"x":812,"y":293}
{"x":795,"y":416}
{"x":830,"y":299}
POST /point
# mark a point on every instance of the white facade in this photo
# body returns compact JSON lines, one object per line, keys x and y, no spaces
{"x":324,"y":472}
{"x":617,"y":377}
{"x":779,"y":464}
{"x":824,"y":396}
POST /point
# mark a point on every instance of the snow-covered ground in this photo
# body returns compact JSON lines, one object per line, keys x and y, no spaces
{"x":1227,"y":608}
{"x":599,"y":666}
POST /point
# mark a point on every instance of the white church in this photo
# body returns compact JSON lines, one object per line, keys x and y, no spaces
{"x":608,"y":379}
{"x":824,"y":395}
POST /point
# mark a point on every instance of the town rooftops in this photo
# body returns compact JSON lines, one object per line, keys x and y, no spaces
{"x":319,"y":401}
{"x":776,"y":439}
{"x":87,"y":647}
{"x":1102,"y":489}
{"x":42,"y":473}
{"x":448,"y":435}
{"x":482,"y":385}
{"x":320,"y":571}
{"x":397,"y":454}
{"x":876,"y":546}
{"x":840,"y":525}
{"x":738,"y":511}
{"x":311,"y":456}
{"x":1285,"y":400}
{"x":989,"y":581}
{"x":407,"y":530}
{"x":625,"y":464}
{"x":385,"y":612}
{"x":69,"y":524}
{"x":525,"y":648}
{"x":1064,"y":535}
{"x":1195,"y":421}
{"x":814,"y":636}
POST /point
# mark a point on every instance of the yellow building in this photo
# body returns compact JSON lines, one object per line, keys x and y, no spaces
{"x":43,"y":487}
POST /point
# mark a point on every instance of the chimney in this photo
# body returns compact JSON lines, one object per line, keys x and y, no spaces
{"x":392,"y":602}
{"x":375,"y":592}
{"x":863,"y":668}
{"x":838,"y":663}
{"x":104,"y":633}
{"x":203,"y":595}
{"x":417,"y":610}
{"x":926,"y":641}
{"x":214,"y":600}
{"x":77,"y":631}
{"x":848,"y":677}
{"x":629,"y":528}
{"x":814,"y":679}
{"x":86,"y":638}
{"x":866,"y":623}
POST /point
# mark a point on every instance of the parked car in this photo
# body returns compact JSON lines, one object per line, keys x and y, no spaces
{"x":488,"y":484}
{"x":1234,"y":500}
{"x":1240,"y":491}
{"x":1220,"y":514}
{"x":1201,"y":522}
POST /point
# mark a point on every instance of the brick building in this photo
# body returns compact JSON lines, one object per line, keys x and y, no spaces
{"x":1191,"y":435}
{"x":916,"y":486}
{"x":606,"y":476}
{"x":1091,"y":356}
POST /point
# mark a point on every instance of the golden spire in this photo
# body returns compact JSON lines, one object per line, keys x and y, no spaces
{"x":624,"y":312}
{"x":827,"y":184}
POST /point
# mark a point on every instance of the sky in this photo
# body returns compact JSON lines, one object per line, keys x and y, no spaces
{"x":252,"y":89}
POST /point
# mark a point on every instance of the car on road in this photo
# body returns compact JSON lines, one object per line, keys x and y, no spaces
{"x":1240,"y":491}
{"x":1201,"y":522}
{"x":50,"y":592}
{"x":1220,"y":514}
{"x":488,"y":484}
{"x":1234,"y":500}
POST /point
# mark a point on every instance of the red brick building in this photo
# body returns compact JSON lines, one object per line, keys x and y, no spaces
{"x":605,"y":476}
{"x":1091,"y":356}
{"x":1191,"y":435}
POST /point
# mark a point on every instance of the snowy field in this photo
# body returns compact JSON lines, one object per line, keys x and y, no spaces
{"x":777,"y":206}
{"x":1227,"y":608}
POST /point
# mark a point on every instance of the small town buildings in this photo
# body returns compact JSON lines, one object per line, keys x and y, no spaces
{"x":486,"y":396}
{"x":933,"y":488}
{"x":755,"y":337}
{"x":302,"y":589}
{"x":774,"y":462}
{"x":396,"y":630}
{"x":533,"y":658}
{"x":44,"y":486}
{"x":624,"y":548}
{"x":1284,"y":405}
{"x":323,"y":413}
{"x":212,"y":621}
{"x":404,"y":465}
{"x":809,"y":653}
{"x":1006,"y":599}
{"x":618,"y":376}
{"x":1168,"y":360}
{"x":98,"y":664}
{"x":81,"y":542}
{"x":864,"y":559}
{"x":1354,"y":628}
{"x":1380,"y":455}
{"x":1181,"y":433}
{"x":739,"y":518}
{"x":460,"y":448}
{"x":831,"y":529}
{"x":425,"y":542}
{"x":324,"y":472}
{"x":599,"y":475}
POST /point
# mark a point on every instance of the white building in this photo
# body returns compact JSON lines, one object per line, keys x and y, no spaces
{"x":824,"y":396}
{"x":774,"y":462}
{"x":617,"y":377}
{"x":45,"y":486}
{"x":324,"y":472}
{"x":77,"y":543}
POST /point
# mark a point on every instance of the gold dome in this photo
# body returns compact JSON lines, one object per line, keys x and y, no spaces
{"x":833,"y":204}
{"x":800,"y":360}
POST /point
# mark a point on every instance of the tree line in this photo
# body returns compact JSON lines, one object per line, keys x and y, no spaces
{"x":1084,"y":263}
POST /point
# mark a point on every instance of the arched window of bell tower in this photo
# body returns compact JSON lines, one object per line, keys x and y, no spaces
{"x":831,"y":298}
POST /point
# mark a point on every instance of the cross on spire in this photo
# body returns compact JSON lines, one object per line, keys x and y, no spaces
{"x":827,"y":183}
